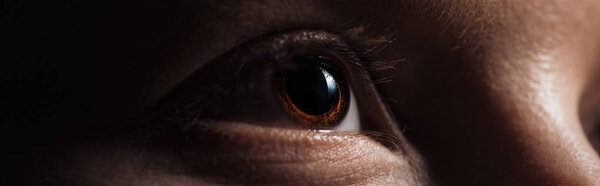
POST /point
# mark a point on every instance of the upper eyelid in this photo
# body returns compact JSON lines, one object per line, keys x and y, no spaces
{"x":242,"y":56}
{"x":196,"y":89}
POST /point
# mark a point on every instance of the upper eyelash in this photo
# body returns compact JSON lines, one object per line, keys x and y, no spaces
{"x":367,"y":46}
{"x":182,"y":115}
{"x":185,"y":116}
{"x":370,"y":46}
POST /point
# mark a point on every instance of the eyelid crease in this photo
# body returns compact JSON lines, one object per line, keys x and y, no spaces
{"x":202,"y":91}
{"x":226,"y":69}
{"x":345,"y":44}
{"x":387,"y":139}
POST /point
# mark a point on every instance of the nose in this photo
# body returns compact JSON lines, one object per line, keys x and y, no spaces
{"x":502,"y":123}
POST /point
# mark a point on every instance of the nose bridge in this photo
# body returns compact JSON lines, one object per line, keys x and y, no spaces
{"x":545,"y":147}
{"x":535,"y":107}
{"x":505,"y":123}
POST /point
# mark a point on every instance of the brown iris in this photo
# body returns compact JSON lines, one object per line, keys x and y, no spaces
{"x":313,"y":91}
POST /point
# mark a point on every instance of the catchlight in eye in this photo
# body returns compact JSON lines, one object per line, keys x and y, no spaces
{"x":313,"y":92}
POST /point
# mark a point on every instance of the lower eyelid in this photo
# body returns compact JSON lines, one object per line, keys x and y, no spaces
{"x":266,"y":111}
{"x":279,"y":155}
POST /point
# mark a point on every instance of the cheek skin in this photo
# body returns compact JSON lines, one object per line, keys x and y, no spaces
{"x":240,"y":153}
{"x":275,"y":156}
{"x":506,"y":110}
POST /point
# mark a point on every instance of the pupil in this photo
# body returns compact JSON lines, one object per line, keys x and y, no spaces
{"x":311,"y":87}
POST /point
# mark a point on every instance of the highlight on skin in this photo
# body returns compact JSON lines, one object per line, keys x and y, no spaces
{"x":180,"y":92}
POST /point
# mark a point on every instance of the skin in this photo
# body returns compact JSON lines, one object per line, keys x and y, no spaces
{"x":485,"y":92}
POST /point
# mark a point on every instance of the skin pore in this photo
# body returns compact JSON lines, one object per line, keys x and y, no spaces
{"x":480,"y":93}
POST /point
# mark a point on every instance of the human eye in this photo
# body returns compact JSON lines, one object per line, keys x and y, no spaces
{"x":303,"y":80}
{"x":314,"y":93}
{"x":280,"y":109}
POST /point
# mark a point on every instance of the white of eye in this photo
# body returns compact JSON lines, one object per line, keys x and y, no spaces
{"x":351,"y":121}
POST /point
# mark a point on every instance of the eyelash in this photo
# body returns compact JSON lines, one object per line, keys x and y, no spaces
{"x":239,"y":63}
{"x":187,"y":106}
